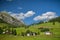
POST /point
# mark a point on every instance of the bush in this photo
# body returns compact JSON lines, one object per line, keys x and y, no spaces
{"x":28,"y":31}
{"x":44,"y":29}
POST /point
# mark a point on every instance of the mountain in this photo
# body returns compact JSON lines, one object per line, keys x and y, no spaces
{"x":5,"y":17}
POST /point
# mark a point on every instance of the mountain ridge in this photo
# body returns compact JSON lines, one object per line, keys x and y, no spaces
{"x":9,"y":19}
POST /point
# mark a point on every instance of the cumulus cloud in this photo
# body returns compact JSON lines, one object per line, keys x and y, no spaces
{"x":23,"y":15}
{"x":18,"y":16}
{"x":45,"y":16}
{"x":29,"y":13}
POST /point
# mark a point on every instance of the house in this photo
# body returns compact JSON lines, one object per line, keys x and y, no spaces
{"x":34,"y":34}
{"x":31,"y":34}
{"x":4,"y":32}
{"x":7,"y":31}
{"x":47,"y":33}
{"x":28,"y":34}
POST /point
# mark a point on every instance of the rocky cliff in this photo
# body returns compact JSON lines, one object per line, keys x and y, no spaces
{"x":9,"y":19}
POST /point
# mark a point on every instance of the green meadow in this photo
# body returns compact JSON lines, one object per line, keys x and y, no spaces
{"x":55,"y":29}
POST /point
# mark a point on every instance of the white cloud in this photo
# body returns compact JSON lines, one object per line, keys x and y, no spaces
{"x":29,"y":13}
{"x":9,"y":12}
{"x":23,"y":15}
{"x":45,"y":16}
{"x":49,"y":14}
{"x":18,"y":16}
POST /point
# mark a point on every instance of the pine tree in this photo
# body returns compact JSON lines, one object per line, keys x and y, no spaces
{"x":14,"y":31}
{"x":1,"y":30}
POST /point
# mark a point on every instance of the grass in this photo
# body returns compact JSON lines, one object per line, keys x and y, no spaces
{"x":11,"y":37}
{"x":53,"y":28}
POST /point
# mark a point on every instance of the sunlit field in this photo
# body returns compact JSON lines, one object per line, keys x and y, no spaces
{"x":55,"y":29}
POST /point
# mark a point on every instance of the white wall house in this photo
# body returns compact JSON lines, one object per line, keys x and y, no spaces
{"x":28,"y":34}
{"x":47,"y":33}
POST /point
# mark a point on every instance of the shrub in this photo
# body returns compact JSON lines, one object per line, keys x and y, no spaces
{"x":44,"y":29}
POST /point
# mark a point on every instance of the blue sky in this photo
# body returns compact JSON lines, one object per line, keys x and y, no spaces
{"x":31,"y":11}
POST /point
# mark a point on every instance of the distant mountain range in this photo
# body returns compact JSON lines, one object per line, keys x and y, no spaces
{"x":5,"y":17}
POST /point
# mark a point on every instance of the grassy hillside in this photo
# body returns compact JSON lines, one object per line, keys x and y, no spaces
{"x":10,"y":37}
{"x":53,"y":28}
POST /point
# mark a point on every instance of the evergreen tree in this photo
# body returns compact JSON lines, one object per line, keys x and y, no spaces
{"x":14,"y":32}
{"x":22,"y":34}
{"x":1,"y":30}
{"x":53,"y":23}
